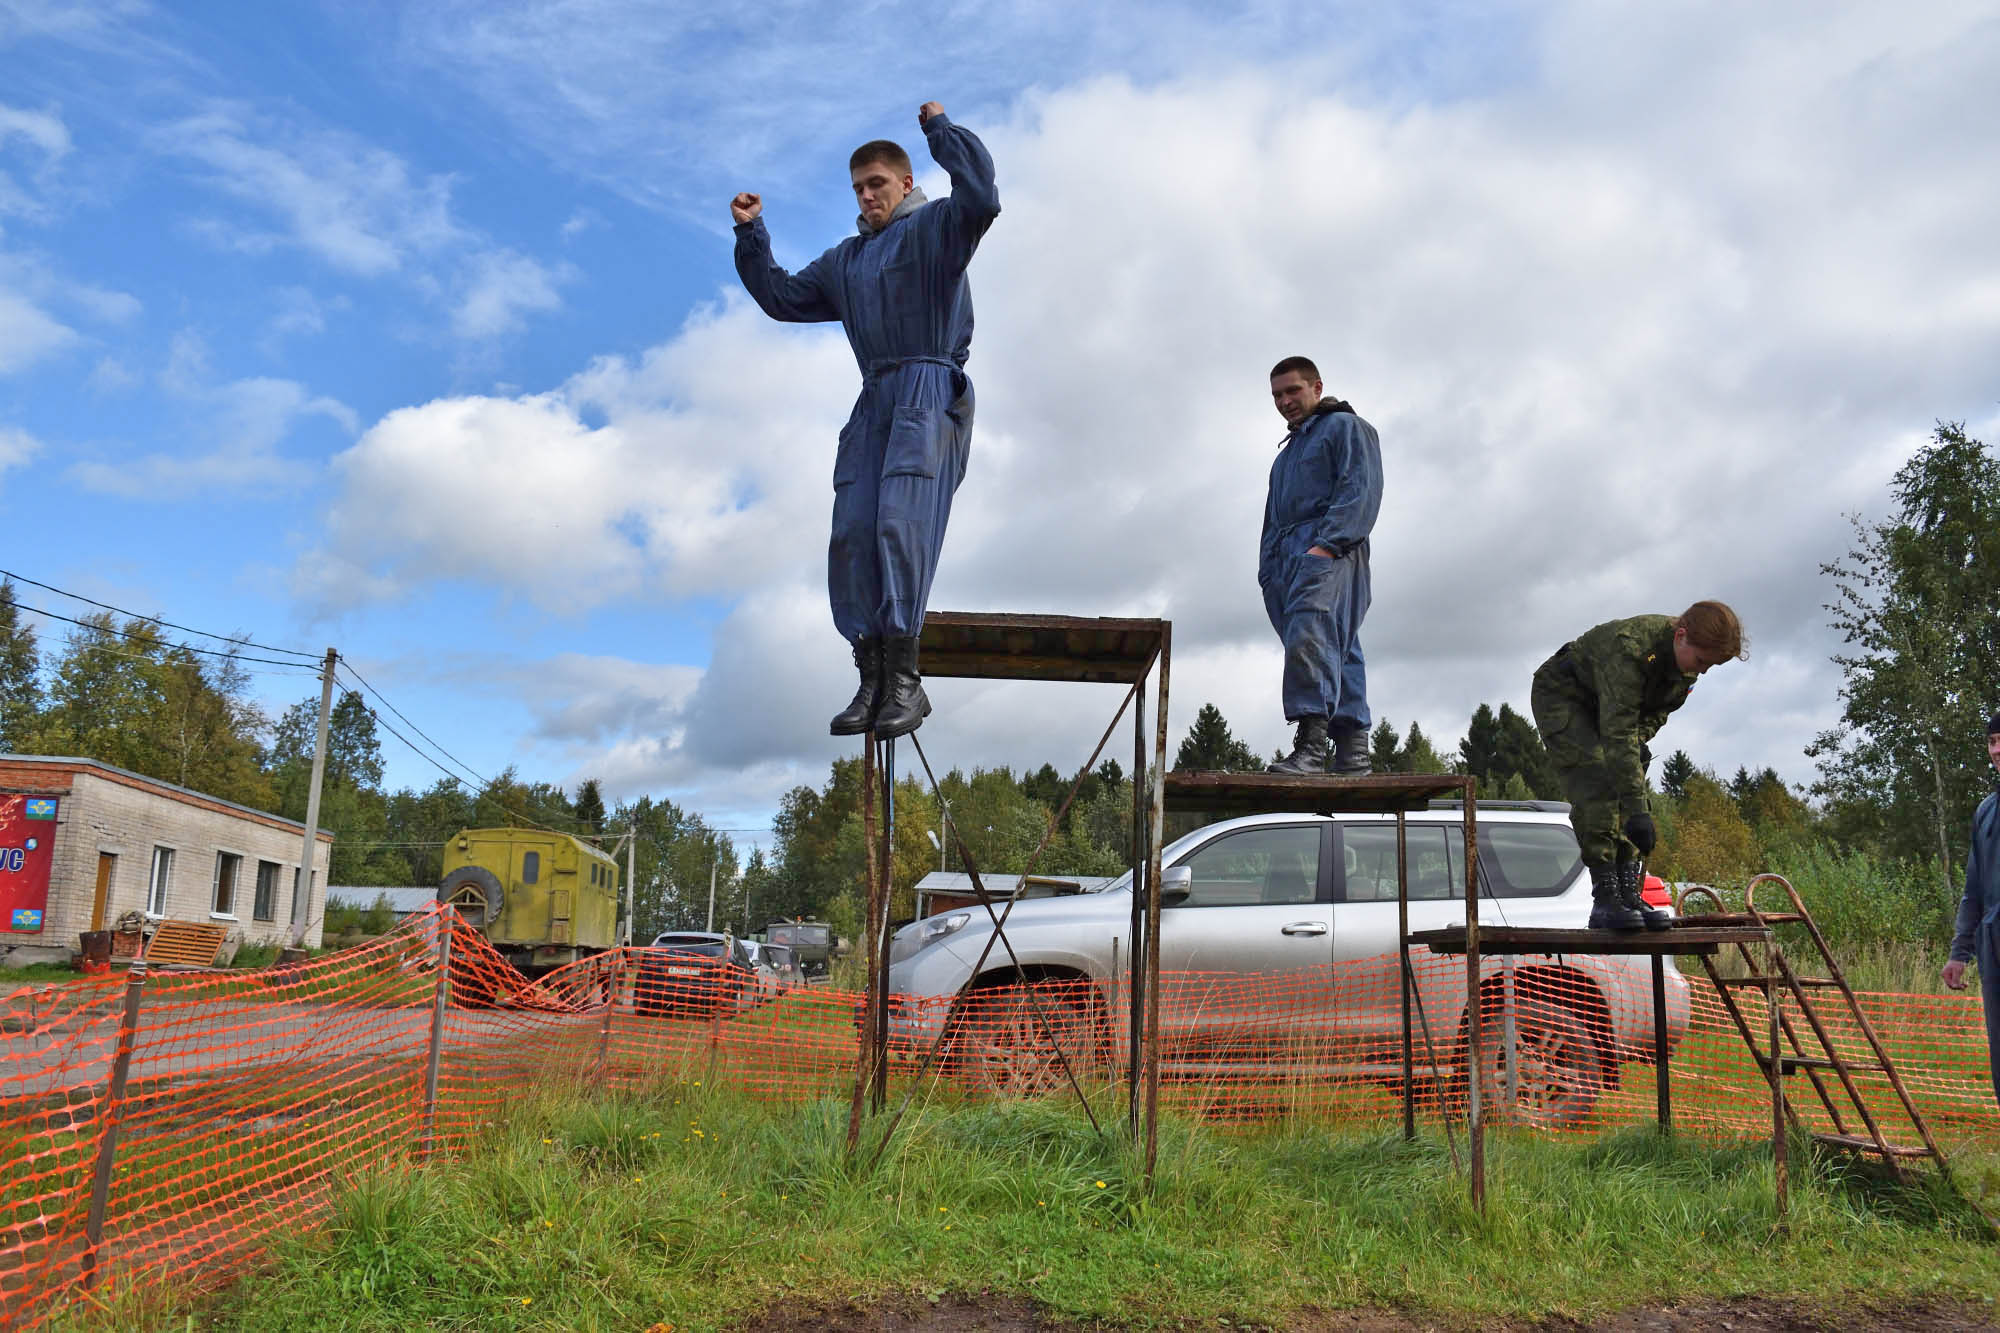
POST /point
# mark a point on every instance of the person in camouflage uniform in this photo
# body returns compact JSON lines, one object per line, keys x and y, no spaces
{"x":1598,"y":701}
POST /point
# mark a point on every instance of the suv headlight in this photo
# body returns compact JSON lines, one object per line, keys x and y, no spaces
{"x":920,"y":935}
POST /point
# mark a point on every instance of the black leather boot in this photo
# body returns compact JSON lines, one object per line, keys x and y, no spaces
{"x":1607,"y":910}
{"x":1308,"y":749}
{"x":1350,"y":754}
{"x":859,"y":716}
{"x":904,"y":705}
{"x":1632,"y":897}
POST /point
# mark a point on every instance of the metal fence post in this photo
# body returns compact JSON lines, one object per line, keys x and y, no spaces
{"x":617,"y":970}
{"x":438,"y":1000}
{"x":114,"y":1099}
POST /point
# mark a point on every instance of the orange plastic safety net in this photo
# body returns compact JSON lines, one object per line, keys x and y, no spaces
{"x":169,"y":1124}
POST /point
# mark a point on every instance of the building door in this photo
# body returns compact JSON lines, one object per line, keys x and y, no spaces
{"x":106,"y":863}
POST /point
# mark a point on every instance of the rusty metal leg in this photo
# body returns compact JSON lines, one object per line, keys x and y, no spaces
{"x":1403,"y":944}
{"x":1475,"y":1021}
{"x":864,"y":1059}
{"x":1777,"y":1072}
{"x":1135,"y":954}
{"x":1660,"y":1055}
{"x":1156,"y":841}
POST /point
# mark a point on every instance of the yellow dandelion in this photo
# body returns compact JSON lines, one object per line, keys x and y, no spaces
{"x":1100,"y":1184}
{"x":1039,"y":1203}
{"x":527,"y":1300}
{"x":548,"y":1140}
{"x":943,"y":1209}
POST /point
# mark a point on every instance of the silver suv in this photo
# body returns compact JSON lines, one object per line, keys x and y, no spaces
{"x":1278,"y":955}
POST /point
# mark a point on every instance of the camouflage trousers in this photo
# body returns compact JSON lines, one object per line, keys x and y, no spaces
{"x":1567,"y":718}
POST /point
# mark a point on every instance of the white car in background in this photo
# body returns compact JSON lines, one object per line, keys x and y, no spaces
{"x":1313,"y":898}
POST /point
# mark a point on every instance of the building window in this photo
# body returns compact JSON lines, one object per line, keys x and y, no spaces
{"x":296,"y":915}
{"x":265,"y":906}
{"x":228,"y":865}
{"x":156,"y":887}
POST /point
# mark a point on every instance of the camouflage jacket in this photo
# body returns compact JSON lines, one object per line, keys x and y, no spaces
{"x":1627,"y":667}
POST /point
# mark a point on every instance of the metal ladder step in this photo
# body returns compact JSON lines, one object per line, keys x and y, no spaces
{"x":1860,"y":1144}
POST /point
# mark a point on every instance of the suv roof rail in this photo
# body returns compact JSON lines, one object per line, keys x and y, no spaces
{"x":1548,"y":807}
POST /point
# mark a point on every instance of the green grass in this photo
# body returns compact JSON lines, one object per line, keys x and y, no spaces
{"x":701,"y":1209}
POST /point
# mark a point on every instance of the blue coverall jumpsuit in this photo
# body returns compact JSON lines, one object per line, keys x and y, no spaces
{"x":1326,"y":489}
{"x":1976,"y":934}
{"x":900,"y":292}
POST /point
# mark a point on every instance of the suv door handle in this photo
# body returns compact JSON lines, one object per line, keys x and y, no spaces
{"x":1304,"y":928}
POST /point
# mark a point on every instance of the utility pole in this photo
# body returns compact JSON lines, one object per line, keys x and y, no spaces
{"x":711,"y":893}
{"x":631,"y":861}
{"x":302,"y":888}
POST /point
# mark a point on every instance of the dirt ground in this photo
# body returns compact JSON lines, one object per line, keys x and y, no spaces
{"x":1008,"y":1315}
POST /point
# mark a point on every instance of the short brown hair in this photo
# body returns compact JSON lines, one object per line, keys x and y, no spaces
{"x":886,"y":151}
{"x":1298,"y":363}
{"x":1714,"y":628}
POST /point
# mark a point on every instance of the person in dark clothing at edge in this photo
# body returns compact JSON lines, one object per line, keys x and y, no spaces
{"x":1976,"y":934}
{"x":899,"y":290}
{"x":1326,"y":489}
{"x":1598,"y":701}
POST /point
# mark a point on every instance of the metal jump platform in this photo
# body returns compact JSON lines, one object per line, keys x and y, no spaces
{"x":1004,"y":646}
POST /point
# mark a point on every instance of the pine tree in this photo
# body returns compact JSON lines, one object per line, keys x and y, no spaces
{"x":1674,"y":774}
{"x":20,"y":675}
{"x":590,"y":806}
{"x":1209,"y":747}
{"x":1382,"y":747}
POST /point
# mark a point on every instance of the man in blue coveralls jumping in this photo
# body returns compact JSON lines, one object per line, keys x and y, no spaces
{"x":1326,"y":488}
{"x":899,"y":290}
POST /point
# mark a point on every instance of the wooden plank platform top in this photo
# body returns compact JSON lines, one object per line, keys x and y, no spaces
{"x":1232,"y":794}
{"x":1685,"y":936}
{"x":1000,"y":646}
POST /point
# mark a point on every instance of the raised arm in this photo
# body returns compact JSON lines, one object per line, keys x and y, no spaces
{"x":797,"y":298}
{"x":963,"y":217}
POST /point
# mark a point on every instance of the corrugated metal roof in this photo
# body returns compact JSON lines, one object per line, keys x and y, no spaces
{"x":401,"y":901}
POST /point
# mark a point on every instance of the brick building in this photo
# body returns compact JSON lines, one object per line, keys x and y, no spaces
{"x":124,"y":842}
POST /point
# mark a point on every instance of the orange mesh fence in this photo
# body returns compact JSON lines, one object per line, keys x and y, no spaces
{"x":207,"y":1112}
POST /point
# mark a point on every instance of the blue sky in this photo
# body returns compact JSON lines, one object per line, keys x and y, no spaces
{"x":412,"y":329}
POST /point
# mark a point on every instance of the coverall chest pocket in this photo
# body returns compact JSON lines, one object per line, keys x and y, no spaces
{"x":913,"y":443}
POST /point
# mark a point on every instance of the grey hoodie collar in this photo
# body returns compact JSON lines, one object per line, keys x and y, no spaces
{"x":912,"y":201}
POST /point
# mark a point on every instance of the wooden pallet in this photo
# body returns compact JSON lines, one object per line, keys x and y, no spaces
{"x":188,"y":943}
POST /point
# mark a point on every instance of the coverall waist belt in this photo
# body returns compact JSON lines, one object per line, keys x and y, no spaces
{"x":877,"y":369}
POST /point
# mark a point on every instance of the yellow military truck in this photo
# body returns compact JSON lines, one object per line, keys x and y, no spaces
{"x":543,"y":899}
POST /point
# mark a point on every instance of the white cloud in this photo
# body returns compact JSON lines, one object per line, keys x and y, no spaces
{"x":1634,"y":332}
{"x":499,"y":287}
{"x":16,"y":448}
{"x":28,"y":333}
{"x":233,"y":441}
{"x":354,"y":206}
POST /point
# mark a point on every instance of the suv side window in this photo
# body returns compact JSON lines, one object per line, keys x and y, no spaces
{"x":1368,"y":862}
{"x":1515,"y":861}
{"x":1260,"y":865}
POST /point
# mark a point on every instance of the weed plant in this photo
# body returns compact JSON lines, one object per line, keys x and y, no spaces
{"x":680,"y":1205}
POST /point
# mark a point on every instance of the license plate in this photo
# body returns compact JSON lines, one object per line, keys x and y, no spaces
{"x":683,"y":971}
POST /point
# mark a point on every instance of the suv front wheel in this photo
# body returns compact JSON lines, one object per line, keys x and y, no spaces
{"x":1001,"y":1047}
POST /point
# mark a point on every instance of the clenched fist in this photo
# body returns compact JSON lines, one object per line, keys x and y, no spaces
{"x":927,"y":110}
{"x":746,"y":206}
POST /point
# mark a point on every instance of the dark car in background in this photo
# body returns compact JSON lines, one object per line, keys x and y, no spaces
{"x":694,"y":972}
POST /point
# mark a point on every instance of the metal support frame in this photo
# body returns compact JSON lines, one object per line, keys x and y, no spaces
{"x":108,"y":1116}
{"x":1001,"y":647}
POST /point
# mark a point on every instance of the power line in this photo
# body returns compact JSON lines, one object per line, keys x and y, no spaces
{"x":349,"y":669}
{"x":135,"y":615}
{"x":186,"y":647}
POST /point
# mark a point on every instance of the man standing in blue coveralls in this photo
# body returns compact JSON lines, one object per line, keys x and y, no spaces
{"x":1977,"y":933}
{"x":899,"y":290}
{"x":1326,"y":488}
